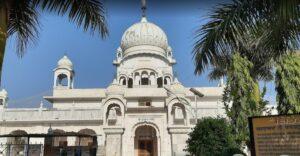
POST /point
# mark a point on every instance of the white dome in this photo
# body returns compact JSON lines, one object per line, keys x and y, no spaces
{"x":65,"y":62}
{"x":144,"y":33}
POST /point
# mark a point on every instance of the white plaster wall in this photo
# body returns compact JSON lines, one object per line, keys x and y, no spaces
{"x":179,"y":144}
{"x":92,"y":93}
{"x":150,"y":62}
{"x":133,"y":103}
{"x":77,"y":104}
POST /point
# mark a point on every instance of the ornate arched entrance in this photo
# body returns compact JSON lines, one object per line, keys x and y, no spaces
{"x":145,"y":141}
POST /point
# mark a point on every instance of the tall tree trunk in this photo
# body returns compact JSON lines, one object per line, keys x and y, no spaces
{"x":3,"y":34}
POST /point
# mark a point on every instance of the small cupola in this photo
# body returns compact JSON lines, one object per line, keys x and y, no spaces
{"x":64,"y":74}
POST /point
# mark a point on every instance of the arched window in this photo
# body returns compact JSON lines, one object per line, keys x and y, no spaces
{"x":145,"y":78}
{"x":113,"y":114}
{"x":86,"y":141}
{"x":178,"y":114}
{"x":167,"y":80}
{"x":62,"y":80}
{"x":130,"y":83}
{"x":122,"y":81}
{"x":159,"y":82}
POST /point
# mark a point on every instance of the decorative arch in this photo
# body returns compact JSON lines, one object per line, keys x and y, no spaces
{"x":167,"y":80}
{"x":60,"y":140}
{"x":144,"y":78}
{"x":176,"y":100}
{"x":86,"y":141}
{"x":17,"y":140}
{"x":114,"y":103}
{"x":62,"y":79}
{"x":182,"y":103}
{"x":122,"y":80}
{"x":143,"y":136}
{"x":18,"y":132}
{"x":178,"y":114}
{"x":145,"y":123}
{"x":148,"y":70}
{"x":115,"y":100}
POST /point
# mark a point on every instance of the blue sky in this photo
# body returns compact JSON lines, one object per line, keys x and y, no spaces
{"x":27,"y":79}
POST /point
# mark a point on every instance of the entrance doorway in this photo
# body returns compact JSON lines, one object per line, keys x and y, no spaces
{"x":145,"y":141}
{"x":145,"y":148}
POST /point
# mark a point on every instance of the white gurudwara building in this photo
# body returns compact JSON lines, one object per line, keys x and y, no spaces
{"x":145,"y":111}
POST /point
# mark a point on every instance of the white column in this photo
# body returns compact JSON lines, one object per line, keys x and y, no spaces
{"x":158,"y":146}
{"x":54,"y":81}
{"x":72,"y":82}
{"x":69,"y":82}
{"x":113,"y":144}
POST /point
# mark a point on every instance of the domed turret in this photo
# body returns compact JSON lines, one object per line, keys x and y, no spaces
{"x":64,"y":74}
{"x":144,"y":36}
{"x":65,"y":62}
{"x":144,"y":57}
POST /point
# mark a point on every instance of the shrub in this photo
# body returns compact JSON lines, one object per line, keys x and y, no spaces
{"x":210,"y":137}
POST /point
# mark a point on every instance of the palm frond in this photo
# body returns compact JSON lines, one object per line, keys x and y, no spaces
{"x":221,"y":35}
{"x":23,"y":23}
{"x":264,"y":29}
{"x":88,"y":14}
{"x":217,"y":73}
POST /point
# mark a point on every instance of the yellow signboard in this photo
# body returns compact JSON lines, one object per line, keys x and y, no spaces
{"x":275,"y":135}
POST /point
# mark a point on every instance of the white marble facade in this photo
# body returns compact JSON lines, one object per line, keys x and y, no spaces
{"x":144,"y":102}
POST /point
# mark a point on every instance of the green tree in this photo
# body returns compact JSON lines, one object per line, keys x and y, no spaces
{"x":211,"y":136}
{"x":21,"y":19}
{"x":261,"y":31}
{"x":288,"y":84}
{"x":241,"y":97}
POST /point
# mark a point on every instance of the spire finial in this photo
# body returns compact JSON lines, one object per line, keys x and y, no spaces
{"x":144,"y":8}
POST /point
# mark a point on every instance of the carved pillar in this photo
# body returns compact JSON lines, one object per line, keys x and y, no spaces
{"x":113,"y":143}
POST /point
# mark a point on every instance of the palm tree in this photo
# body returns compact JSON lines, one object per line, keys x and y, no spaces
{"x":269,"y":28}
{"x":21,"y":18}
{"x":261,"y":31}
